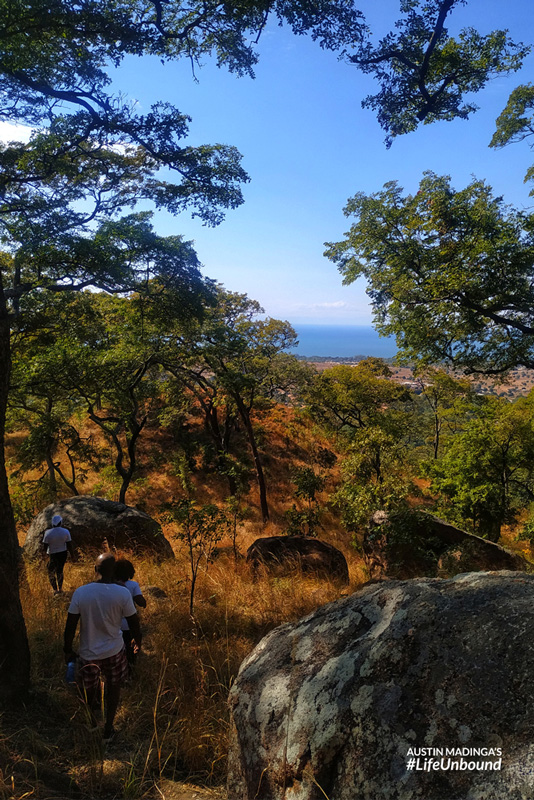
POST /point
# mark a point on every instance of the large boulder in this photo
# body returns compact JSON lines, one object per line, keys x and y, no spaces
{"x":410,"y":544}
{"x":338,"y":704}
{"x":286,"y":553}
{"x":94,"y":522}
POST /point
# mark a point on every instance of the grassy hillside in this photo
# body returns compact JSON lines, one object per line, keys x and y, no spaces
{"x":173,"y":720}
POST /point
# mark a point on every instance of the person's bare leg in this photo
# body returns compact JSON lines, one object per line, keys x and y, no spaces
{"x":51,"y":568}
{"x":60,"y":565}
{"x":112,"y":697}
{"x":93,"y":699}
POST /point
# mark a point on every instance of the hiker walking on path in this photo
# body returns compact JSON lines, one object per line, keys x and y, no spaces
{"x":124,"y":572}
{"x":57,"y":543}
{"x":100,"y":607}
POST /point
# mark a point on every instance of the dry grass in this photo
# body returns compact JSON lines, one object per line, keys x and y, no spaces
{"x":293,"y":441}
{"x":173,"y":719}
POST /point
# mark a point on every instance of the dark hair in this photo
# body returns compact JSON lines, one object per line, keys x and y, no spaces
{"x":124,"y":569}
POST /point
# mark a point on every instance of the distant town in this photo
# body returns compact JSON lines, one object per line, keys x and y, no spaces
{"x":518,"y":382}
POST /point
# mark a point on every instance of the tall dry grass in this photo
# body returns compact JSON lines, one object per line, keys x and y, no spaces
{"x":173,"y":718}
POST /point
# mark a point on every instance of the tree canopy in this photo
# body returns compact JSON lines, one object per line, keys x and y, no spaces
{"x":516,"y":122}
{"x":424,"y":73}
{"x":234,"y":359}
{"x":450,"y":273}
{"x":349,"y":398}
{"x":485,"y":475}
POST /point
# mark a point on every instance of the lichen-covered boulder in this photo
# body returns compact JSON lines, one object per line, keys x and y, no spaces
{"x":410,"y":544}
{"x":286,"y":553}
{"x":337,"y":704}
{"x":95,"y":523}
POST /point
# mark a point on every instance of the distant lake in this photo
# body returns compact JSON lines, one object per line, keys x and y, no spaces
{"x":342,"y":341}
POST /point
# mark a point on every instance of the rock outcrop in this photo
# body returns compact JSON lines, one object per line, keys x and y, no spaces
{"x":94,"y":522}
{"x":336,"y":704}
{"x":286,"y":553}
{"x":414,"y":544}
{"x":156,"y":592}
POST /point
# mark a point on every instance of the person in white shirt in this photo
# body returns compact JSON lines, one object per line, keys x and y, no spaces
{"x":124,"y":572}
{"x":100,"y":607}
{"x":57,"y":543}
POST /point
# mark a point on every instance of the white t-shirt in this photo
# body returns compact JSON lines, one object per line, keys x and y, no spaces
{"x":135,"y":590}
{"x":56,"y":539}
{"x":101,"y":607}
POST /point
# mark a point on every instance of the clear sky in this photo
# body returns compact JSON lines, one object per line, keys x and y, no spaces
{"x":308,"y":146}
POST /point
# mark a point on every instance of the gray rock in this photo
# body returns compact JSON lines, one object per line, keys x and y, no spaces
{"x":410,"y":544}
{"x":331,"y":705}
{"x":156,"y":592}
{"x":93,"y":522}
{"x":286,"y":553}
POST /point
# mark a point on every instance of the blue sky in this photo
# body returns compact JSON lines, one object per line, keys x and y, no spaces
{"x":308,"y":146}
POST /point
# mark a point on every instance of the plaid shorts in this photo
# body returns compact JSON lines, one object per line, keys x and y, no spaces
{"x":114,"y":670}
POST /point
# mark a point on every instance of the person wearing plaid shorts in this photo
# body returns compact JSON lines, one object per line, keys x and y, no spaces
{"x":100,"y":607}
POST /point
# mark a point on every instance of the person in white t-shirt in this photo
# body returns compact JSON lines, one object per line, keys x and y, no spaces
{"x":57,"y":543}
{"x":124,"y":572}
{"x":100,"y":607}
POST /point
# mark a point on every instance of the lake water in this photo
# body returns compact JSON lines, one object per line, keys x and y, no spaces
{"x":343,"y":341}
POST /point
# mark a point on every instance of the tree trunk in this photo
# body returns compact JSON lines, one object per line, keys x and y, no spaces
{"x":127,"y":475}
{"x":221,"y":441}
{"x":71,"y":485}
{"x":52,"y":483}
{"x":489,"y":526}
{"x":437,"y":432}
{"x":14,"y":649}
{"x":245,"y":416}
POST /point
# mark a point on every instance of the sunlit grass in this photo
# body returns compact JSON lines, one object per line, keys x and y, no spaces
{"x":173,"y":719}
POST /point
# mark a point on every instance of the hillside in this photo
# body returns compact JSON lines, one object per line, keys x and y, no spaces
{"x":173,"y":721}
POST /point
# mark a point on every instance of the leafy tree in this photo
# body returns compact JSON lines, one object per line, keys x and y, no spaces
{"x":40,"y":399}
{"x":307,"y":483}
{"x":288,"y":379}
{"x":486,"y":474}
{"x":93,"y":145}
{"x":301,"y":521}
{"x":423,"y":72}
{"x":235,"y":513}
{"x":199,"y":527}
{"x":449,"y":272}
{"x":51,"y":438}
{"x":305,"y":521}
{"x":348,"y":398}
{"x":446,"y":397}
{"x":108,"y":363}
{"x":370,"y":409}
{"x":232,"y":357}
{"x":516,"y":121}
{"x":376,"y":476}
{"x":218,"y":410}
